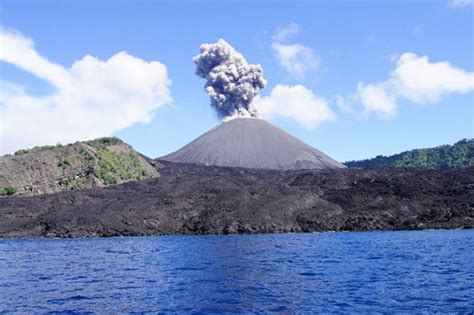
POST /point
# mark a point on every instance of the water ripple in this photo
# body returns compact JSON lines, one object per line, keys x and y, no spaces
{"x":376,"y":272}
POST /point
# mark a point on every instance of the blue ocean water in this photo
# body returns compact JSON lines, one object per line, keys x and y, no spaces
{"x":403,"y":272}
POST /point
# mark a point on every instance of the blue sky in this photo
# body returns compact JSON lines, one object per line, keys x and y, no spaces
{"x":403,"y":101}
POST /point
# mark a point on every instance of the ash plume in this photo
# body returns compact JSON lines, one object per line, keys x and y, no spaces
{"x":231,"y":82}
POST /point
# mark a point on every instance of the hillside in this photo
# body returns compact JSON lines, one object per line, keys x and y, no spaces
{"x":457,"y":155}
{"x":95,"y":163}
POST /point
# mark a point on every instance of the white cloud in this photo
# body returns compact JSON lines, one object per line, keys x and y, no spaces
{"x":460,"y":3}
{"x":415,"y":79}
{"x":294,"y":102}
{"x":420,"y":80}
{"x":92,"y":98}
{"x":374,"y":97}
{"x":295,"y":58}
{"x":283,"y":33}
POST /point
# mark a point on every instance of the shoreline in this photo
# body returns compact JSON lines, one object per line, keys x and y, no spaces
{"x":85,"y":237}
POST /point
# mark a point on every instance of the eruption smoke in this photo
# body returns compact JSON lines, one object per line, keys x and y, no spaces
{"x":231,"y":83}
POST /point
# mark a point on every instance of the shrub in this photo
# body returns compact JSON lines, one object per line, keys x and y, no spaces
{"x":63,"y":163}
{"x":63,"y":182}
{"x":90,"y":170}
{"x":109,"y":179}
{"x":9,"y":190}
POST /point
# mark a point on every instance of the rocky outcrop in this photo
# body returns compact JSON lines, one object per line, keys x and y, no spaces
{"x":190,"y":199}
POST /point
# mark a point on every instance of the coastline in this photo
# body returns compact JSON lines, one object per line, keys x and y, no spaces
{"x":5,"y":238}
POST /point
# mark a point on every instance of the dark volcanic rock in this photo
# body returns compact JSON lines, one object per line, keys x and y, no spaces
{"x":190,"y":199}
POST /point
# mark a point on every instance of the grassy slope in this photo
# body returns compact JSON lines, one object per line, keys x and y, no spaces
{"x":99,"y":162}
{"x":458,"y":155}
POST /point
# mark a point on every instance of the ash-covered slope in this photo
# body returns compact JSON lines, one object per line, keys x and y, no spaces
{"x":251,"y":143}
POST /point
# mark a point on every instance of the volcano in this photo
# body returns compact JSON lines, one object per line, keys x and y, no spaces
{"x":251,"y":143}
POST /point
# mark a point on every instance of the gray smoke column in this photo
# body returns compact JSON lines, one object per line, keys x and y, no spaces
{"x":231,"y":82}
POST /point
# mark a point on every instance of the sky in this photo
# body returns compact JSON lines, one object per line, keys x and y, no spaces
{"x":354,"y":79}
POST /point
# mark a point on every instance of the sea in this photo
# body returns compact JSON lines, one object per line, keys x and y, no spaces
{"x":419,"y":272}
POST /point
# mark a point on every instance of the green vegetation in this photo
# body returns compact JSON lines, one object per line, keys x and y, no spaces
{"x":111,"y":166}
{"x":36,"y":149}
{"x":77,"y":186}
{"x":64,"y":182}
{"x":86,"y":156}
{"x":103,"y":142}
{"x":457,"y":155}
{"x":94,"y":143}
{"x":63,"y":163}
{"x":104,"y":161}
{"x":90,"y":170}
{"x":8,"y":190}
{"x":107,"y":178}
